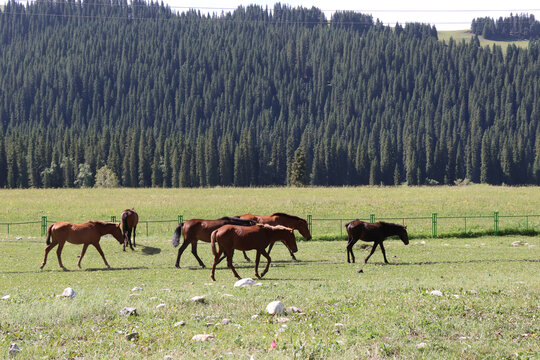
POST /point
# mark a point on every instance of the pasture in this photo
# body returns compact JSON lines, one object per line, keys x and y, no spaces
{"x":466,"y":35}
{"x":488,"y":308}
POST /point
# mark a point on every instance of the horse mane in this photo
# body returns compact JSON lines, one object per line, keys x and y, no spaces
{"x":274,"y":227}
{"x":393,"y":226}
{"x":289,"y":216}
{"x":98,"y":222}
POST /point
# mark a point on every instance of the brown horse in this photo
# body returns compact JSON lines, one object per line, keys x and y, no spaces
{"x":258,"y":237}
{"x":130,"y":219}
{"x":199,"y":229}
{"x":86,"y":234}
{"x":290,"y":221}
{"x":373,"y":232}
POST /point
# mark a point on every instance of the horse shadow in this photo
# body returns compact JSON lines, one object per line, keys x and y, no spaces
{"x":149,"y":250}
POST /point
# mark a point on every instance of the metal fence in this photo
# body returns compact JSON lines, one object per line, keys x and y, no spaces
{"x":427,"y":226}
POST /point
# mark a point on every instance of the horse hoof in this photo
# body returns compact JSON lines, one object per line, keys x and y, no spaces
{"x":360,"y":271}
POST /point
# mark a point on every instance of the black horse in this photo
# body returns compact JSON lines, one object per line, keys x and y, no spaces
{"x":373,"y":232}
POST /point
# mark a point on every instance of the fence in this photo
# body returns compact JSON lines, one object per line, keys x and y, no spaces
{"x":428,"y":226}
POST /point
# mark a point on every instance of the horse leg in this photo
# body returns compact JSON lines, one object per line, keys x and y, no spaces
{"x":125,"y":241}
{"x":372,"y":251}
{"x":217,"y":260}
{"x":47,"y":249}
{"x":268,"y":260}
{"x":85,"y":246}
{"x":230,"y":264}
{"x":257,"y":259}
{"x":134,"y":231}
{"x":384,"y":253}
{"x":350,"y":245}
{"x":59,"y":254}
{"x":246,"y":257}
{"x":194,"y":252}
{"x":129,"y":239}
{"x":180,"y":251}
{"x":98,"y":248}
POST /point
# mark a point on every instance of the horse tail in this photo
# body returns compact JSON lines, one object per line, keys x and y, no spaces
{"x":213,"y":242}
{"x":49,"y":231}
{"x":177,"y":234}
{"x":124,"y":221}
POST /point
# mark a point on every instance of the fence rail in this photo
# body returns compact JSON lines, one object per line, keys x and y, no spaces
{"x":420,"y":225}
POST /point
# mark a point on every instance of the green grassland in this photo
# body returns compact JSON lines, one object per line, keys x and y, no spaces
{"x":466,"y":35}
{"x":488,"y":309}
{"x":391,"y":203}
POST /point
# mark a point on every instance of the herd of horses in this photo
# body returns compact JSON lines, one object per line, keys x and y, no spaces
{"x":245,"y":232}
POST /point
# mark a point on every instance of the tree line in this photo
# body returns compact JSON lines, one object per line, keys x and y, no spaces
{"x":93,"y":90}
{"x":514,"y":27}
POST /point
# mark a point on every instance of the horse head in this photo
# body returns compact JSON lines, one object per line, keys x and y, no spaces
{"x":289,"y":240}
{"x":117,"y":233}
{"x":304,"y":229}
{"x":404,"y":236}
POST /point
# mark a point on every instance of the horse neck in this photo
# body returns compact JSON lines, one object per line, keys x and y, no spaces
{"x":106,"y":228}
{"x":392,"y":230}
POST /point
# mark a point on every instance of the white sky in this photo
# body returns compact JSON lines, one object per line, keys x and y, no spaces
{"x":446,"y":15}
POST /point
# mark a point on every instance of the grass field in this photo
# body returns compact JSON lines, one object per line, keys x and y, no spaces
{"x":466,"y":35}
{"x":488,"y":309}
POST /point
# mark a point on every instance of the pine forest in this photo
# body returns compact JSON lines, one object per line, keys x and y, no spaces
{"x":96,"y":91}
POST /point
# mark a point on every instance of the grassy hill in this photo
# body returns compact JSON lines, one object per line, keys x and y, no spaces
{"x":466,"y":35}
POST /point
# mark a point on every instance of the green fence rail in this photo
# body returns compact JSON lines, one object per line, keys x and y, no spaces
{"x":429,"y":225}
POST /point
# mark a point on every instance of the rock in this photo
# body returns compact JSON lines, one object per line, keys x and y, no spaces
{"x":128,"y":311}
{"x":275,"y":308}
{"x":68,"y":292}
{"x":160,"y":306}
{"x":202,"y":337}
{"x":179,"y":323}
{"x":19,"y":238}
{"x":228,"y":295}
{"x":293,"y":309}
{"x":421,"y":345}
{"x":244,"y":282}
{"x":14,"y":349}
{"x":473,"y":292}
{"x":253,"y":317}
{"x":133,"y":295}
{"x":137,"y":288}
{"x":134,"y":336}
{"x":198,"y":299}
{"x":456,"y":296}
{"x":339,"y":325}
{"x":282,"y":320}
{"x":436,"y":292}
{"x":168,"y":357}
{"x":152,"y":298}
{"x":225,"y":322}
{"x":6,"y":297}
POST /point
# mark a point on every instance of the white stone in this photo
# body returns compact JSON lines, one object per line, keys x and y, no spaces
{"x":168,"y":357}
{"x":6,"y":297}
{"x":275,"y":308}
{"x":339,"y":325}
{"x":293,"y":309}
{"x":202,"y":337}
{"x":160,"y":306}
{"x":253,"y":317}
{"x":14,"y":349}
{"x":436,"y":292}
{"x":137,"y":288}
{"x":456,"y":296}
{"x":128,"y":311}
{"x":245,"y":282}
{"x":68,"y":292}
{"x":19,"y":237}
{"x":228,"y":295}
{"x":225,"y":321}
{"x":179,"y":323}
{"x":199,"y":299}
{"x":282,"y":320}
{"x":421,"y":345}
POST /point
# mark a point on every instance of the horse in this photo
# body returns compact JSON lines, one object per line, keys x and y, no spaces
{"x":86,"y":234}
{"x":200,"y":229}
{"x":290,"y":221}
{"x":130,"y":219}
{"x":373,"y":232}
{"x":257,"y":237}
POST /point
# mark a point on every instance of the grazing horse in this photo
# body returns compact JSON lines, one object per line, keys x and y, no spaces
{"x":290,"y":221}
{"x":130,"y":219}
{"x":199,"y":229}
{"x":257,"y":237}
{"x":373,"y":232}
{"x":86,"y":234}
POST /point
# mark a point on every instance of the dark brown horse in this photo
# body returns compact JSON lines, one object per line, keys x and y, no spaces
{"x":199,"y":229}
{"x":373,"y":232}
{"x":258,"y":237}
{"x":290,"y":221}
{"x":86,"y":234}
{"x":130,"y":219}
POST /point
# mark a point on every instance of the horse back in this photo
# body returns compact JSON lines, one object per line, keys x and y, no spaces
{"x":242,"y":237}
{"x":130,"y":219}
{"x":75,"y":233}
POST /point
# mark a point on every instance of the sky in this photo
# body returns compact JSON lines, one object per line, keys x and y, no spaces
{"x":446,"y":15}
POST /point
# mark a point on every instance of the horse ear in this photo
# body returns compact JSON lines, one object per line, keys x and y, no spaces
{"x":405,"y":227}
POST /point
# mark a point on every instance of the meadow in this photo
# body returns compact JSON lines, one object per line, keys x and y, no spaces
{"x":466,"y":35}
{"x":488,"y":309}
